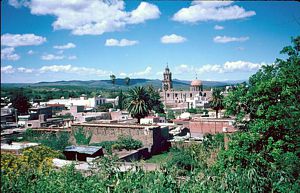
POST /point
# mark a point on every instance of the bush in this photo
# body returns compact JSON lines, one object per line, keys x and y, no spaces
{"x":81,"y":138}
{"x":123,"y":142}
{"x":56,"y":141}
{"x":38,"y":157}
{"x":126,"y":142}
{"x":107,"y":145}
{"x":194,"y":111}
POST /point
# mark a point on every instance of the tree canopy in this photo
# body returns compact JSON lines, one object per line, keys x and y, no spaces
{"x":139,"y":103}
{"x":268,"y":109}
{"x":20,"y":102}
{"x":217,"y":102}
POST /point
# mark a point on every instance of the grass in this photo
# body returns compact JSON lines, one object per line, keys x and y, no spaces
{"x":160,"y":158}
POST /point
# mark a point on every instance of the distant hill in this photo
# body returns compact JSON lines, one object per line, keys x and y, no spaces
{"x":120,"y":83}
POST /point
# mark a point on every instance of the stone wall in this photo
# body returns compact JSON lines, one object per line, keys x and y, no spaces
{"x":153,"y":137}
{"x":212,"y":126}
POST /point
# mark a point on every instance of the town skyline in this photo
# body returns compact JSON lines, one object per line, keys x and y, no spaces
{"x":44,"y":41}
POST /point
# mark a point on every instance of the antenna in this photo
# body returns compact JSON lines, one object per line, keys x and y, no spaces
{"x":196,"y":76}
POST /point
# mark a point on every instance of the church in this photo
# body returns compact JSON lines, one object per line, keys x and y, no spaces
{"x":195,"y":97}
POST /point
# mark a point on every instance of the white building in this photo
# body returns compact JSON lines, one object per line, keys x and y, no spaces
{"x":83,"y":101}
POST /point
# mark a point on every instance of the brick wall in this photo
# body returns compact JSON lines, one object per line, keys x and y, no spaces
{"x":211,"y":126}
{"x":152,"y":137}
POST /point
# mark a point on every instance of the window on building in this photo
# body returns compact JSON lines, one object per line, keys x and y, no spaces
{"x":191,"y":95}
{"x":176,"y":94}
{"x":168,"y":95}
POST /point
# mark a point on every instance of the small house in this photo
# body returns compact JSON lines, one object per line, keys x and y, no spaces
{"x":81,"y":153}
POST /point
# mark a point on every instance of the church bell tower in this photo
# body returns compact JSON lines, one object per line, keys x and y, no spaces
{"x":167,"y":81}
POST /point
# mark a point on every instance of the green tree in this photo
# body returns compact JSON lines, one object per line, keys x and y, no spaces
{"x":155,"y":102}
{"x":81,"y":137}
{"x":20,"y":102}
{"x":217,"y":101}
{"x":269,"y":110}
{"x":104,"y":107}
{"x":127,"y":81}
{"x":113,"y":79}
{"x":122,"y":100}
{"x":138,"y":103}
{"x":170,"y":114}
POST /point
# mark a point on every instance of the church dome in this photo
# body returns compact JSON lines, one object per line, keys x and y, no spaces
{"x":196,"y":83}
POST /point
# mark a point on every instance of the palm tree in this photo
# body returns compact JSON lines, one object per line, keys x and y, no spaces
{"x":217,"y":101}
{"x":122,"y":100}
{"x":155,"y":102}
{"x":127,"y":81}
{"x":113,"y":79}
{"x":138,"y":103}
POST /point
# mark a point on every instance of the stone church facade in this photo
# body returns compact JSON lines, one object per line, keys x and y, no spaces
{"x":195,"y":97}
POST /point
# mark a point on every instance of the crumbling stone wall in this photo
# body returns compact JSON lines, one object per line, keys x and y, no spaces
{"x":152,"y":137}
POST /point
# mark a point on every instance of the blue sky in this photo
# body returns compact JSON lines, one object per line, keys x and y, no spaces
{"x":47,"y":40}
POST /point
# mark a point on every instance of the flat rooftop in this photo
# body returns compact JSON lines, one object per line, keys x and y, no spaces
{"x":83,"y":149}
{"x":17,"y":146}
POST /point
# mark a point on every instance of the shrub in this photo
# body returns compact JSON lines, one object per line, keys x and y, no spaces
{"x":107,"y":145}
{"x":128,"y":143}
{"x":81,"y":137}
{"x":194,"y":111}
{"x":56,"y":141}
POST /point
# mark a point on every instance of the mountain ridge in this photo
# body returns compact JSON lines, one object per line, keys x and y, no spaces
{"x":119,"y":82}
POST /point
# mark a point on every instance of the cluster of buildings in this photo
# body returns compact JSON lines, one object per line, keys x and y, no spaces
{"x":63,"y":113}
{"x":57,"y":112}
{"x":195,"y":97}
{"x":157,"y":133}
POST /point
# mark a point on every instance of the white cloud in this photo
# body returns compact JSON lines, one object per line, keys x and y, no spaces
{"x":30,"y":52}
{"x":183,"y":68}
{"x":55,"y":68}
{"x":143,"y":73}
{"x":18,"y":3}
{"x":123,"y":74}
{"x":52,"y":57}
{"x":211,"y":11}
{"x":120,"y":43}
{"x":159,"y":73}
{"x":10,"y":70}
{"x":172,"y":39}
{"x":75,"y":70}
{"x":226,"y":39}
{"x":143,"y":12}
{"x":93,"y":17}
{"x":227,"y":67}
{"x":9,"y":54}
{"x":15,"y":40}
{"x":236,"y":66}
{"x":7,"y":69}
{"x":66,"y":46}
{"x":25,"y":70}
{"x":218,"y":27}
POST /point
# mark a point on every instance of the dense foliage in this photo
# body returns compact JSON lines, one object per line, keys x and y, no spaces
{"x":56,"y":141}
{"x":138,"y":102}
{"x":268,"y":109}
{"x":82,"y":137}
{"x":123,"y":142}
{"x":217,"y":102}
{"x":20,"y":102}
{"x":32,"y":160}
